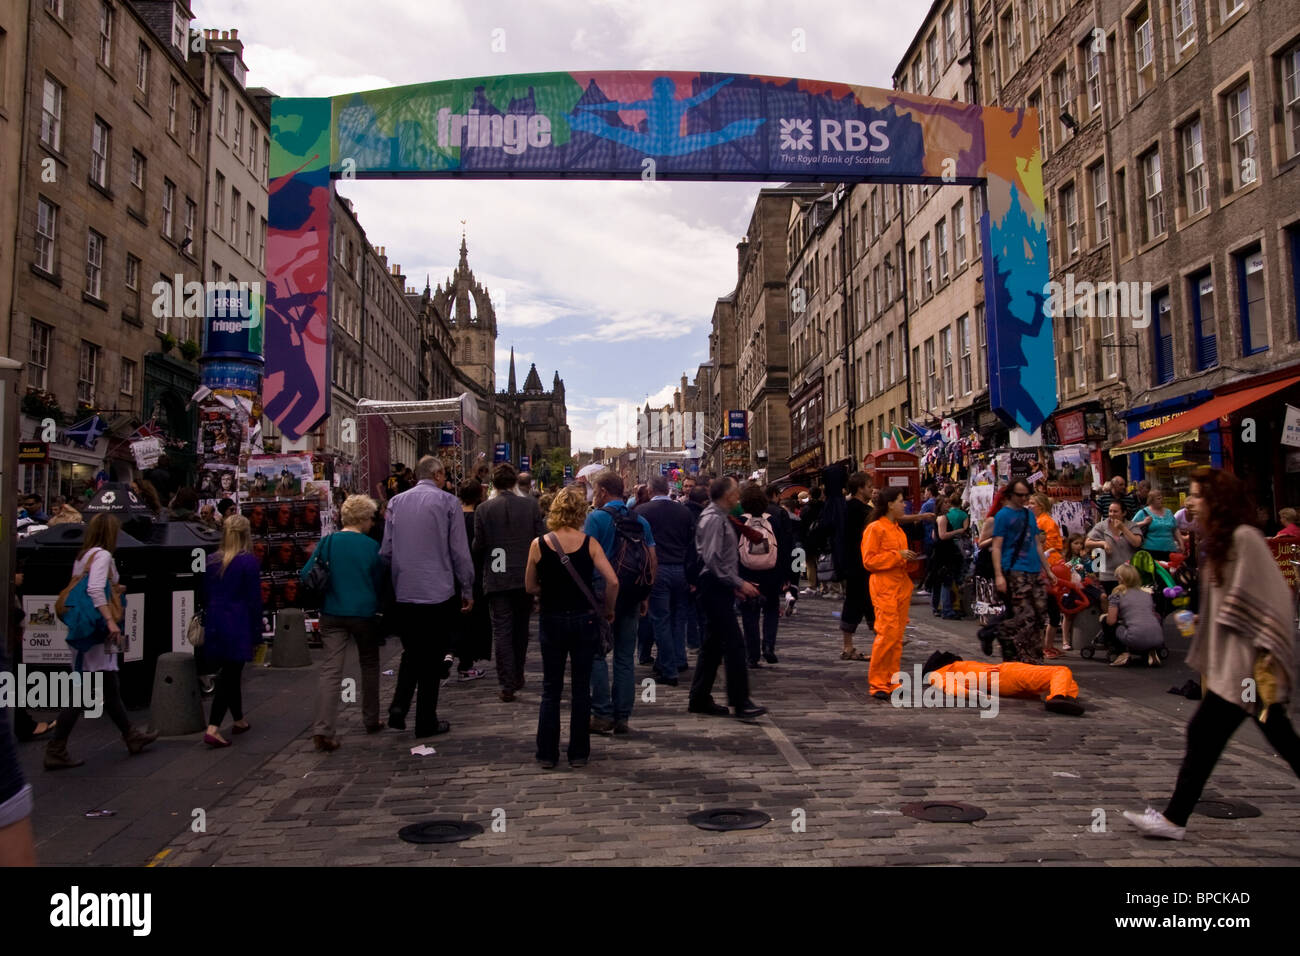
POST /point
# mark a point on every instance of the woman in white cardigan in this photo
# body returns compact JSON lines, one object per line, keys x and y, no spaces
{"x":1244,"y":646}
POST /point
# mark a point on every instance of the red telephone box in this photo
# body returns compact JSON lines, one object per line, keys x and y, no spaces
{"x":894,"y":468}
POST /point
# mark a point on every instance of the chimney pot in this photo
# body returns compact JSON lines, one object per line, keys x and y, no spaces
{"x":234,"y":34}
{"x":225,"y":34}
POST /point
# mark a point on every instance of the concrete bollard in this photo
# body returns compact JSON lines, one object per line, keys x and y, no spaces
{"x":175,"y":707}
{"x":290,"y":646}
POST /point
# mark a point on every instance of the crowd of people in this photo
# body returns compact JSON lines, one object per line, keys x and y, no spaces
{"x":645,"y":575}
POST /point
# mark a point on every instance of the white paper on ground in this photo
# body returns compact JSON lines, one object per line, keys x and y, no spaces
{"x":422,"y":751}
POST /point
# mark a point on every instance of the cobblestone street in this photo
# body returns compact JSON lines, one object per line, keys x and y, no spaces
{"x":825,"y":754}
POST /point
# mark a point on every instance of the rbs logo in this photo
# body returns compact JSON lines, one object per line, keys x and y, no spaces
{"x":855,"y":134}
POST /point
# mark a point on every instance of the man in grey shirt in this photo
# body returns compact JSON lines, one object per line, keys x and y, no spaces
{"x":718,"y":545}
{"x":504,"y":530}
{"x":426,"y":547}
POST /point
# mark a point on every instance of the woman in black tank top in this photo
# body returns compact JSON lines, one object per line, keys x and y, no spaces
{"x":568,"y":623}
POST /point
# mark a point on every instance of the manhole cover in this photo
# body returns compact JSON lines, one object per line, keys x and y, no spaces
{"x":439,"y":831}
{"x":729,"y":819}
{"x":944,"y":812}
{"x":1226,"y":810}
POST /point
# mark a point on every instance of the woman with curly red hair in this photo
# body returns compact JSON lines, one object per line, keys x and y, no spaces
{"x":1243,"y":646}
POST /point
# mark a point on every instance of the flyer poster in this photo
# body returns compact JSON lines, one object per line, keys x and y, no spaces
{"x":280,"y":476}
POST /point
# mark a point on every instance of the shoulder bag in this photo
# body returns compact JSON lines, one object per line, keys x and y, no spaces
{"x":316,"y":581}
{"x":605,"y":633}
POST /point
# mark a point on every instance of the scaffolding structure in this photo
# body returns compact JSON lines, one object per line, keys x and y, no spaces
{"x":461,"y":412}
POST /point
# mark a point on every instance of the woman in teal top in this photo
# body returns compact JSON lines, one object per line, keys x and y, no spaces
{"x":348,"y":609}
{"x":1158,"y":527}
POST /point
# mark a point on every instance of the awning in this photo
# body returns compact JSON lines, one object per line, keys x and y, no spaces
{"x":1184,"y":427}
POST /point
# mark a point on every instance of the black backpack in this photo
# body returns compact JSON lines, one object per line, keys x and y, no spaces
{"x":630,"y":560}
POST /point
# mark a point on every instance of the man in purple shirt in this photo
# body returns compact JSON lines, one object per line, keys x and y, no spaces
{"x":426,"y":547}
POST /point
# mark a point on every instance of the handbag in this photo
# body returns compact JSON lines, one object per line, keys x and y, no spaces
{"x":316,"y":579}
{"x":194,"y":631}
{"x":605,"y":633}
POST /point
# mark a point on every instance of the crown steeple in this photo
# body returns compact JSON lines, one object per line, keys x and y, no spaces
{"x":511,"y":387}
{"x":533,"y":383}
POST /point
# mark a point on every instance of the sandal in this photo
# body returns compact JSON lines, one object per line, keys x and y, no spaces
{"x":1052,"y":653}
{"x":853,"y":655}
{"x":38,"y":734}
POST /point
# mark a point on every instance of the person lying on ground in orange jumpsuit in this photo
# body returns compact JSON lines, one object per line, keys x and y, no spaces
{"x":1034,"y":681}
{"x":885,"y":555}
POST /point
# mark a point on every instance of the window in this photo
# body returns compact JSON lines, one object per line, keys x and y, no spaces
{"x":180,"y":32}
{"x":194,"y":128}
{"x":252,"y":147}
{"x":1163,"y":336}
{"x":889,"y":358}
{"x":1201,"y":289}
{"x":218,"y":198}
{"x":1106,"y":316}
{"x":168,"y":206}
{"x":1140,"y":36}
{"x":223,"y":95}
{"x":266,"y":160}
{"x":1228,"y":7}
{"x":249,"y":214}
{"x":1182,"y":24}
{"x":982,"y":344}
{"x":964,"y":355}
{"x":52,"y":114}
{"x":1061,"y":94}
{"x":237,"y":143}
{"x":1075,"y":329}
{"x":133,"y":272}
{"x":191,"y":215}
{"x":977,"y":218}
{"x":876,"y":294}
{"x":1121,"y":212}
{"x":106,"y":34}
{"x":949,"y":34}
{"x":142,"y":69}
{"x":959,"y":234}
{"x":1070,"y":221}
{"x":87,"y":372}
{"x":1036,"y":104}
{"x":173,"y":90}
{"x":927,"y":266}
{"x":128,"y":377}
{"x":94,"y":264}
{"x":1092,"y":74}
{"x":1031,"y":21}
{"x":47,"y":217}
{"x":1291,"y":100}
{"x":916,"y":380}
{"x":38,"y":356}
{"x":1010,"y":42}
{"x":99,"y":153}
{"x":931,"y":374}
{"x":1195,"y":182}
{"x":945,"y":346}
{"x":1241,"y":131}
{"x":233,"y":238}
{"x":911,"y":271}
{"x":261,"y":246}
{"x":1254,"y":315}
{"x":1154,"y":220}
{"x":932,"y":58}
{"x":1100,"y":198}
{"x":137,"y":169}
{"x":941,"y":246}
{"x":918,"y":76}
{"x":55,"y":7}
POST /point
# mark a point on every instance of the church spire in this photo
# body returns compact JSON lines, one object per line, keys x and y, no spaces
{"x":511,"y":387}
{"x":464,"y":250}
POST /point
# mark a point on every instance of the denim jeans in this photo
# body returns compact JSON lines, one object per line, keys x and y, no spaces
{"x":511,"y":612}
{"x":624,"y":686}
{"x":670,"y":607}
{"x":569,"y":635}
{"x":768,"y":604}
{"x":645,"y":639}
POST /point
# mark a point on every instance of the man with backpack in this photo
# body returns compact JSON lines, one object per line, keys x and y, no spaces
{"x":720,"y":584}
{"x":629,"y":544}
{"x":673,"y":528}
{"x":758,"y":553}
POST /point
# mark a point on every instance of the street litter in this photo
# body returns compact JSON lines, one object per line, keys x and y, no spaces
{"x":388,"y":673}
{"x":101,"y":813}
{"x":1063,"y":773}
{"x":422,"y":751}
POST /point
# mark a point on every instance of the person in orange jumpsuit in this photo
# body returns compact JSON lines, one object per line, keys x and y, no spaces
{"x":885,"y":555}
{"x":1034,"y":681}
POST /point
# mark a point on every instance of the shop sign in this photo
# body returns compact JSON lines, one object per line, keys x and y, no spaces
{"x":1291,"y":427}
{"x":811,"y":457}
{"x":1146,"y":423}
{"x":1070,"y":428}
{"x":736,"y":423}
{"x":33,"y":453}
{"x":1285,"y":551}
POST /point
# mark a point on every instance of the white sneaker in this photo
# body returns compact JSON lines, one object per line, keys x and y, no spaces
{"x":1153,"y":823}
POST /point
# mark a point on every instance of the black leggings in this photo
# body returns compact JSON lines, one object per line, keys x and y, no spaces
{"x":1212,"y":725}
{"x":228,"y":694}
{"x":113,"y":706}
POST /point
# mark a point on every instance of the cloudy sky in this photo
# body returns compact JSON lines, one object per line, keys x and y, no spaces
{"x":611,"y":283}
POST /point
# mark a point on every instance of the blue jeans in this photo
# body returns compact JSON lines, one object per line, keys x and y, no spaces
{"x":645,"y":639}
{"x":570,"y":635}
{"x":624,"y":687}
{"x":670,"y":607}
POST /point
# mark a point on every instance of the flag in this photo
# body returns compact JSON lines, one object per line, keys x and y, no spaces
{"x":148,"y":430}
{"x":886,"y":441}
{"x":903,"y":442}
{"x":928,"y":436}
{"x":87,"y":433}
